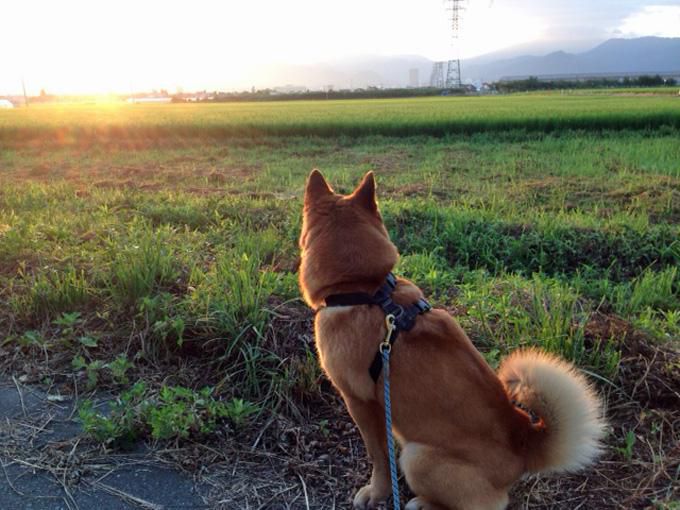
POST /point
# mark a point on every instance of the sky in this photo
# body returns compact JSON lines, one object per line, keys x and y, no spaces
{"x":101,"y":46}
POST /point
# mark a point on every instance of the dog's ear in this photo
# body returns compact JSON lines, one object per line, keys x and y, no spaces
{"x":364,"y":195}
{"x":316,"y":187}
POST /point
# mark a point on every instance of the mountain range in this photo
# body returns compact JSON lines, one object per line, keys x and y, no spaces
{"x":644,"y":55}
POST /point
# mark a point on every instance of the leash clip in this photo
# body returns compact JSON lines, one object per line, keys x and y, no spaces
{"x":390,"y":324}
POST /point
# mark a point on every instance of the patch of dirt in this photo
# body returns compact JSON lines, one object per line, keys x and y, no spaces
{"x":643,"y":405}
{"x":423,"y":190}
{"x":660,"y":197}
{"x":387,"y":162}
{"x":307,"y":453}
{"x":215,"y":177}
{"x":649,"y":372}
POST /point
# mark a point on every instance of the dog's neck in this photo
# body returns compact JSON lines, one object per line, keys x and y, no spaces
{"x":316,"y":295}
{"x":365,"y":286}
{"x":336,"y":264}
{"x":322,"y":275}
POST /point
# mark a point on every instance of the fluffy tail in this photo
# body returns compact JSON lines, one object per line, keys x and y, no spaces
{"x":561,"y":396}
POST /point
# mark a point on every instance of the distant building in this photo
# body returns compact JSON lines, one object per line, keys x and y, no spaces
{"x":140,"y":100}
{"x":413,"y":78}
{"x":289,"y":89}
{"x":6,"y":104}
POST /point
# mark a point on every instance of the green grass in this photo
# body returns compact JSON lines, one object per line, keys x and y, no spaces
{"x":171,"y":231}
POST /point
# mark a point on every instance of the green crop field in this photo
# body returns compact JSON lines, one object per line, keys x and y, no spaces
{"x":150,"y":251}
{"x":390,"y":117}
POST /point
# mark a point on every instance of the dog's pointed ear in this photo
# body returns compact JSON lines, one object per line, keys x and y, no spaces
{"x":316,"y":187}
{"x":364,"y":195}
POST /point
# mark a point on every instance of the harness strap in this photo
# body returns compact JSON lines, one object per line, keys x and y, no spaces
{"x":404,"y":316}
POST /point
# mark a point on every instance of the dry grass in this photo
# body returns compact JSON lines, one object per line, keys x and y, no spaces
{"x":307,"y":453}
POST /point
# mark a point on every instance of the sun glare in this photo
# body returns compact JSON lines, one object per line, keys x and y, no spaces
{"x":79,"y":46}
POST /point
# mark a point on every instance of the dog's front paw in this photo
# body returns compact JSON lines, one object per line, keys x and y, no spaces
{"x":370,"y":496}
{"x":418,"y":504}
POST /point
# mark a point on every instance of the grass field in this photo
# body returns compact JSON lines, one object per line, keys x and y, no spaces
{"x":151,"y":251}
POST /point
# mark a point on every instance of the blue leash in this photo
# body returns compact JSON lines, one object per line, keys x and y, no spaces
{"x":385,"y":349}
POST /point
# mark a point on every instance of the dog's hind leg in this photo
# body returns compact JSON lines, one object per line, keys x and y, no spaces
{"x":443,"y":482}
{"x":369,"y":417}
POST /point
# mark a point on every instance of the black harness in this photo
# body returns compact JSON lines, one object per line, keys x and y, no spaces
{"x":404,"y":316}
{"x":404,"y":320}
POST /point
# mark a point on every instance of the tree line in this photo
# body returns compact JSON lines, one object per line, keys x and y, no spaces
{"x":533,"y":83}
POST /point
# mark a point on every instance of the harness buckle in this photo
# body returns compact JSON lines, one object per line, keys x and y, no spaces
{"x":391,"y":325}
{"x":423,"y":305}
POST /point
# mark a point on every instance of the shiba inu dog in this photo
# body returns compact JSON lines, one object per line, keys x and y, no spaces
{"x":466,"y":433}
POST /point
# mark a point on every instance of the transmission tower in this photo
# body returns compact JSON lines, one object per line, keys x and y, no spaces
{"x":453,"y":74}
{"x":437,"y":77}
{"x":455,"y":8}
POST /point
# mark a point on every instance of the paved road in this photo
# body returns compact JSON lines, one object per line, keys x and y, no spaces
{"x":37,"y":433}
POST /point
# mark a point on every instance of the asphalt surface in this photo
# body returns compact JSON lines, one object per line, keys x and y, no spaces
{"x":36,"y":428}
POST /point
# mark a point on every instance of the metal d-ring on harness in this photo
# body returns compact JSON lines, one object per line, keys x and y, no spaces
{"x":397,"y":318}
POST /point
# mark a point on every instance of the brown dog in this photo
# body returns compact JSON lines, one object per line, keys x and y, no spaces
{"x":464,"y":442}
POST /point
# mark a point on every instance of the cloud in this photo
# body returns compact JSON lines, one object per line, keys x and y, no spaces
{"x":658,"y":20}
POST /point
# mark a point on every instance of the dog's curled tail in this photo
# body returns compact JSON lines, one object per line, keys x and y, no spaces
{"x":572,"y":424}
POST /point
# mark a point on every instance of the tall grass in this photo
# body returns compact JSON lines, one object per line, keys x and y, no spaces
{"x":144,"y":262}
{"x":465,"y":237}
{"x":56,"y":291}
{"x":229,"y":299}
{"x":514,"y":312}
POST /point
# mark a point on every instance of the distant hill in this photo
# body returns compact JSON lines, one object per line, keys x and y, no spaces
{"x":641,"y":55}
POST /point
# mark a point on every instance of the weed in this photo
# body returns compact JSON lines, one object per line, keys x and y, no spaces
{"x":87,"y":341}
{"x":238,"y":410}
{"x":119,"y":368}
{"x":323,"y":428}
{"x":627,"y":449}
{"x":175,"y":413}
{"x":67,"y":322}
{"x":91,"y":368}
{"x":302,"y":376}
{"x":32,"y":339}
{"x":122,"y":425}
{"x":431,"y":272}
{"x":164,"y":329}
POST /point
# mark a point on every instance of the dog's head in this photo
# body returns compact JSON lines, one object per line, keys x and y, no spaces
{"x":345,"y":246}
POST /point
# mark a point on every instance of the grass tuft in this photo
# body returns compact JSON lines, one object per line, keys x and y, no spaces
{"x":144,"y":262}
